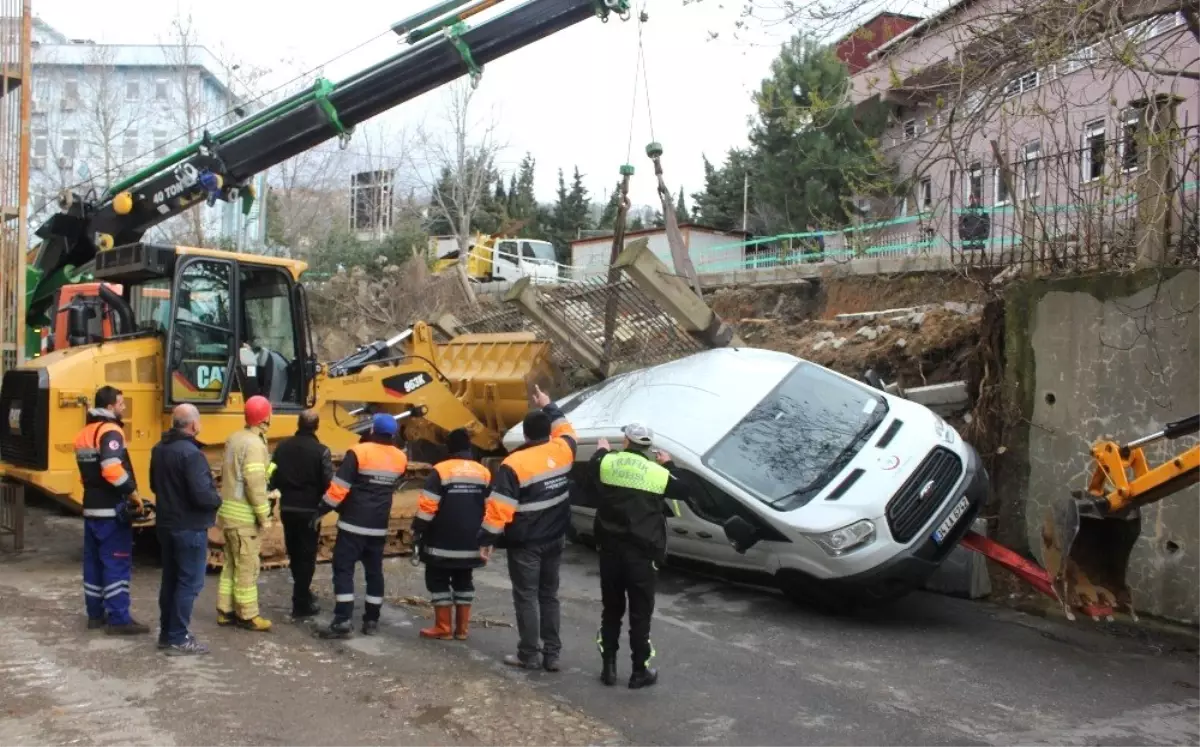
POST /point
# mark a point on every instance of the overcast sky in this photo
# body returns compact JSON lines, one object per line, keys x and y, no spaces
{"x":567,"y":98}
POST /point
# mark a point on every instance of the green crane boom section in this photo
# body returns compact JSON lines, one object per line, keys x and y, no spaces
{"x":220,"y":166}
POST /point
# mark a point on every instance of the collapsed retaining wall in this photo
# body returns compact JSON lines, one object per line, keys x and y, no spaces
{"x":1104,"y":356}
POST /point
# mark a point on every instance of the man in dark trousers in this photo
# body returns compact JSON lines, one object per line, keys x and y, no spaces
{"x":631,"y":535}
{"x":187,"y":500}
{"x":110,"y":502}
{"x":302,"y":470}
{"x":529,"y":506}
{"x":446,"y":533}
{"x":361,"y":492}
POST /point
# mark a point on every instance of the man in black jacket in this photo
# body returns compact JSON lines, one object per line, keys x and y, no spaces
{"x":631,"y":534}
{"x":303,"y":469}
{"x":187,"y":502}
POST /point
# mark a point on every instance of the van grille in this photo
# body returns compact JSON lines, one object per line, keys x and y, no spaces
{"x":25,"y":418}
{"x":909,"y":510}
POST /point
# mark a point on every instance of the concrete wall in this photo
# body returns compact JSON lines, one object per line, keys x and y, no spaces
{"x":1118,"y":356}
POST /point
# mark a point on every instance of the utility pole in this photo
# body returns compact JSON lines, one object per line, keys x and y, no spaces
{"x":745,"y":199}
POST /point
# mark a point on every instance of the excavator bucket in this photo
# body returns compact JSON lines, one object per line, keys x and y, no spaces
{"x":1086,"y":557}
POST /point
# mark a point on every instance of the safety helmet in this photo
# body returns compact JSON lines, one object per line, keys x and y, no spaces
{"x":258,"y":410}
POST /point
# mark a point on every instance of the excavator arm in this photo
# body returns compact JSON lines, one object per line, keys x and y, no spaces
{"x":219,"y":166}
{"x":483,"y":383}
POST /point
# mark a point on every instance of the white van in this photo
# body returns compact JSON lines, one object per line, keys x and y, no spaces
{"x":837,"y":490}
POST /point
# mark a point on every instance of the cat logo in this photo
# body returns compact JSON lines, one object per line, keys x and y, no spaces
{"x":210,"y":377}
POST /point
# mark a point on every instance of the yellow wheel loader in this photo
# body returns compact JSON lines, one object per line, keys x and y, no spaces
{"x":235,"y":325}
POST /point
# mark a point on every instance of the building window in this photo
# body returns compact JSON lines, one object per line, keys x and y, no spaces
{"x":910,"y":129}
{"x":70,"y":144}
{"x":70,"y":98}
{"x":1092,"y":154}
{"x":1020,"y":85}
{"x":41,"y":146}
{"x":133,"y":90}
{"x":1000,"y":188}
{"x":925,"y":194}
{"x":160,"y":143}
{"x":1130,"y":124}
{"x":129,"y":148}
{"x":975,"y":183}
{"x":1031,"y":156}
{"x":160,"y":89}
{"x":371,"y":202}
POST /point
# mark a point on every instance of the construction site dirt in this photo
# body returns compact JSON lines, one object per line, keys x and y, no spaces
{"x":739,"y":665}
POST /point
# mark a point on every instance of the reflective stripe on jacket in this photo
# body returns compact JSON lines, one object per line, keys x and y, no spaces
{"x":529,"y":502}
{"x":361,"y":490}
{"x":633,"y":490}
{"x":244,"y":479}
{"x":104,"y":466}
{"x":450,"y":510}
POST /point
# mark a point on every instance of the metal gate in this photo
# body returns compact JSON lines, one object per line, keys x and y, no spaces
{"x":12,"y":512}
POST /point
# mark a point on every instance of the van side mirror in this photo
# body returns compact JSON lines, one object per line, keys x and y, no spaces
{"x":740,"y":533}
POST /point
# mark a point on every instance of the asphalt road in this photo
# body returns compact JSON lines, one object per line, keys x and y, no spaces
{"x":738,"y":666}
{"x":744,"y":666}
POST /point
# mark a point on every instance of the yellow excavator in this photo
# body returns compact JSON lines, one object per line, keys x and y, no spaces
{"x":237,"y":325}
{"x":213,"y":328}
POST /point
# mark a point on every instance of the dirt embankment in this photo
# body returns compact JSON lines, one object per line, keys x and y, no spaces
{"x":926,"y":332}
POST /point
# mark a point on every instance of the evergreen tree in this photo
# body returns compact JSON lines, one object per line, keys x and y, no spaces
{"x":608,"y":218}
{"x":681,"y":211}
{"x":812,"y":153}
{"x":720,"y":204}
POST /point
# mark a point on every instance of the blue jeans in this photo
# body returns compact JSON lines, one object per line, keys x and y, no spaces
{"x":184,"y":558}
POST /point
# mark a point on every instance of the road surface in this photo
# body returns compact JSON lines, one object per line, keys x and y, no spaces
{"x":739,"y":666}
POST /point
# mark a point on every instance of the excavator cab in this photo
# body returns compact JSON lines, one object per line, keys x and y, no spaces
{"x":232,"y":323}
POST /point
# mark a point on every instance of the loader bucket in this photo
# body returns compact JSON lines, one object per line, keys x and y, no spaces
{"x":1087,"y":556}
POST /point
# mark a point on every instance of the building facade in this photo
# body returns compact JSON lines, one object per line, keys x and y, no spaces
{"x":104,"y":111}
{"x":978,"y":124}
{"x":854,"y":48}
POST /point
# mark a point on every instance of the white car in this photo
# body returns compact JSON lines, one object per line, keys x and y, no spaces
{"x":837,"y":490}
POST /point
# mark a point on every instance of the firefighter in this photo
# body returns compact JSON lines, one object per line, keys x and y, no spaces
{"x":446,"y":532}
{"x":527,"y":512}
{"x":110,"y":497}
{"x":631,"y":534}
{"x":361,"y":493}
{"x":244,"y":515}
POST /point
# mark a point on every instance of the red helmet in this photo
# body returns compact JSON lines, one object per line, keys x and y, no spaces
{"x":258,"y":410}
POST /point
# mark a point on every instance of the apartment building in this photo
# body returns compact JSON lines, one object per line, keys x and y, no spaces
{"x":855,"y":48}
{"x":971,"y":88}
{"x":103,"y":111}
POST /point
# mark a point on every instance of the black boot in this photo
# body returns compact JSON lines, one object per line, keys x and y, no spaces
{"x":338,"y":629}
{"x":370,"y":627}
{"x":302,"y":611}
{"x":642,"y":678}
{"x":608,"y":675}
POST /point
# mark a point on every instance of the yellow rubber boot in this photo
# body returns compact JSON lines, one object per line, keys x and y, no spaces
{"x":256,"y":623}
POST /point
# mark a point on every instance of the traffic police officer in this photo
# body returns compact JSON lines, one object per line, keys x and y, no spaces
{"x":631,"y":535}
{"x":109,"y":498}
{"x":446,"y":532}
{"x":361,"y":493}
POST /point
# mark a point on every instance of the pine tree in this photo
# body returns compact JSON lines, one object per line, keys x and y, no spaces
{"x":608,"y":218}
{"x":681,"y":211}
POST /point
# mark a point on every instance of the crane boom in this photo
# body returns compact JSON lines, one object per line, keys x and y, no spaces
{"x":219,"y":166}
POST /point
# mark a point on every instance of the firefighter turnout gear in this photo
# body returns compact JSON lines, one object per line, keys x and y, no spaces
{"x":108,"y":484}
{"x":527,"y":512}
{"x":446,"y":532}
{"x":631,"y":535}
{"x":245,"y":512}
{"x":361,"y":493}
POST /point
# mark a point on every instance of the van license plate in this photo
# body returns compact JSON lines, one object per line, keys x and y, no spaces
{"x":961,"y":508}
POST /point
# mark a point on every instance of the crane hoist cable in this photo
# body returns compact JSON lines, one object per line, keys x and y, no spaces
{"x":640,"y":77}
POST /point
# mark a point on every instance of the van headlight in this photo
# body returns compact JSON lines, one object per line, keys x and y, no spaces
{"x":848,"y":538}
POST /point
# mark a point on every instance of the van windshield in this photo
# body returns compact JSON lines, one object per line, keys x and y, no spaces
{"x":799,"y":437}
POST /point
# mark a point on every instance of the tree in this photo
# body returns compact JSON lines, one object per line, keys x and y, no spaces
{"x":720,"y":204}
{"x":681,"y":211}
{"x":459,"y":169}
{"x":572,"y":213}
{"x":812,"y":151}
{"x":608,"y":218}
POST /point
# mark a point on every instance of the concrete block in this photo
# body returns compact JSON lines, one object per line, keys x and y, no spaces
{"x":964,"y":572}
{"x":944,"y":399}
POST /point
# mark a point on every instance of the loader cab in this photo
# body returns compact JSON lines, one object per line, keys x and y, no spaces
{"x":231,"y":323}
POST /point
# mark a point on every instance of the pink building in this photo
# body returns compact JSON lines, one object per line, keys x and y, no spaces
{"x":958,"y":82}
